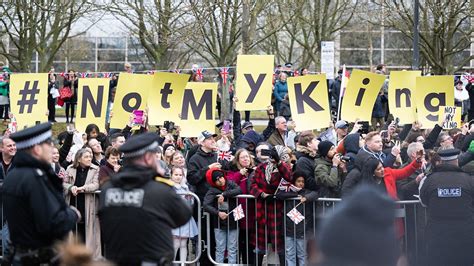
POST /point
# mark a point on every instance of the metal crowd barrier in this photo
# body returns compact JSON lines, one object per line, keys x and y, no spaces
{"x":294,"y":245}
{"x":247,"y":231}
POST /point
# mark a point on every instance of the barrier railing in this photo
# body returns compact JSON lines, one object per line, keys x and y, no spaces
{"x":293,"y":237}
{"x":281,"y":237}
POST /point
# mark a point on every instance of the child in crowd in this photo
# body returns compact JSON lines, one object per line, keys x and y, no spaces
{"x":189,"y":230}
{"x":219,"y":204}
{"x":295,"y":233}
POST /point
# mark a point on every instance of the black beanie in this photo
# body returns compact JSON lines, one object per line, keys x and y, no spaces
{"x":324,"y":147}
{"x":166,"y":146}
{"x":216,"y":175}
{"x":364,"y":223}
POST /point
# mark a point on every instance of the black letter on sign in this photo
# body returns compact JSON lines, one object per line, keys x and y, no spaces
{"x":189,"y":100}
{"x":165,"y":92}
{"x":360,"y":95}
{"x":398,"y":97}
{"x":126,"y":101}
{"x":254,"y":86}
{"x":434,"y":108}
{"x":95,"y":105}
{"x":304,"y":97}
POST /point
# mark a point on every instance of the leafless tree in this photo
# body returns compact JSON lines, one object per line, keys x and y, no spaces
{"x":38,"y":26}
{"x":161,"y":27}
{"x":445,"y":30}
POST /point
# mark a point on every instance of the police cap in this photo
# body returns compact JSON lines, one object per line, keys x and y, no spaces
{"x":32,"y":136}
{"x":449,"y":154}
{"x":138,"y":145}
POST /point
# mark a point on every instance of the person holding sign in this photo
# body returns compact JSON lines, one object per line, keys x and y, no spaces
{"x":71,"y":81}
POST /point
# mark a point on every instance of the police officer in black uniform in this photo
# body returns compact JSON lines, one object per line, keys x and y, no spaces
{"x":33,"y":204}
{"x":138,"y":208}
{"x":448,"y":194}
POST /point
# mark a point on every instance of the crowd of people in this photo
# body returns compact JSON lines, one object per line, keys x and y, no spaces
{"x":397,"y":161}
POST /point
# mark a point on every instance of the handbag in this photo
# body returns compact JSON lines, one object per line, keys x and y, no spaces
{"x":65,"y":93}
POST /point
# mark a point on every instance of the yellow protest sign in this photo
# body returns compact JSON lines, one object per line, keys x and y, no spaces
{"x":28,"y":98}
{"x":166,"y":97}
{"x":132,"y":94}
{"x":452,"y":115}
{"x":431,"y":94}
{"x":309,"y":104}
{"x":197,"y":113}
{"x":360,"y":95}
{"x":401,"y":100}
{"x":254,"y":82}
{"x":92,"y":97}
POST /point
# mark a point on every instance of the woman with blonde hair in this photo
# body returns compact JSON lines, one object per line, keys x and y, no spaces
{"x":82,"y":180}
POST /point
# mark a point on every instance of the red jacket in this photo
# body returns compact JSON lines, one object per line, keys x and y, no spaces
{"x":392,"y":175}
{"x":390,"y":178}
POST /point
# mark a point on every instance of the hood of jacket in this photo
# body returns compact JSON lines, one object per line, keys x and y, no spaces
{"x":351,"y":143}
{"x":212,"y":183}
{"x":252,"y":137}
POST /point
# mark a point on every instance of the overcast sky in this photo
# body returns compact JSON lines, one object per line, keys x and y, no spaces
{"x":106,"y":26}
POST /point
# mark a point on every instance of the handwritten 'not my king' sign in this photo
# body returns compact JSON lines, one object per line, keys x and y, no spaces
{"x":254,"y":81}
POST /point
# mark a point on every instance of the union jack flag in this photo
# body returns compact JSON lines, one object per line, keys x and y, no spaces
{"x":469,"y":78}
{"x":224,"y":155}
{"x":83,"y":75}
{"x":177,"y":71}
{"x":295,"y":216}
{"x":238,"y":213}
{"x":107,"y":74}
{"x":224,"y":75}
{"x":199,"y":74}
{"x":62,"y":74}
{"x":287,"y":186}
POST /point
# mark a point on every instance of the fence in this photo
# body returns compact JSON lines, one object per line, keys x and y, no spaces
{"x":283,"y":238}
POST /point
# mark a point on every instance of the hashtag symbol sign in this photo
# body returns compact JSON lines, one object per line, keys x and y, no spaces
{"x":28,"y":97}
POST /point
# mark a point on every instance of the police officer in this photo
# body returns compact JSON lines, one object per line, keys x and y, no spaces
{"x":138,"y":208}
{"x":33,"y":204}
{"x":448,"y":194}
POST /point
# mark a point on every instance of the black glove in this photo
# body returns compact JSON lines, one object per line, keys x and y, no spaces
{"x":274,"y":155}
{"x":270,"y":198}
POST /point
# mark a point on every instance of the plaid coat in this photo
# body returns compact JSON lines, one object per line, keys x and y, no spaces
{"x":269,"y":211}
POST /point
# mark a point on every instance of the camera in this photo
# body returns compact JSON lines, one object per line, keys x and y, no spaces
{"x":345,"y":158}
{"x":266,"y":152}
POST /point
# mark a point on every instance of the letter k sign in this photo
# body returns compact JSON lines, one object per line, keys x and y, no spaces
{"x":304,"y":97}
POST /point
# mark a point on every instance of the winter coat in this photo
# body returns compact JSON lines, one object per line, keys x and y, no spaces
{"x":237,"y":131}
{"x":386,"y":160}
{"x":335,"y":89}
{"x":197,"y":166}
{"x":248,"y":205}
{"x":378,"y":110}
{"x":269,"y":212}
{"x":276,"y":139}
{"x":280,"y":90}
{"x":351,"y":146}
{"x":33,"y":204}
{"x":306,"y":209}
{"x":305,"y":163}
{"x":329,"y":179}
{"x":73,"y":85}
{"x":105,"y":172}
{"x":211,"y":206}
{"x":190,"y":228}
{"x":285,"y":110}
{"x":91,"y":205}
